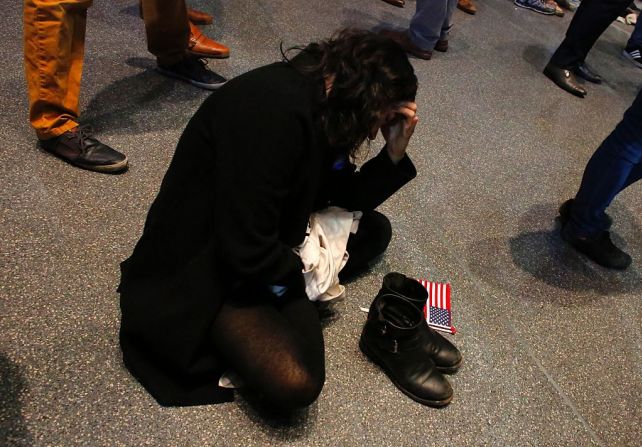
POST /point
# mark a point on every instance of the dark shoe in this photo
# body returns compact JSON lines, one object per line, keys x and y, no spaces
{"x":401,"y":37}
{"x":199,"y":17}
{"x":564,"y":79}
{"x":599,"y":248}
{"x":633,"y":54}
{"x":536,"y":5}
{"x":441,"y":45}
{"x":446,"y":356}
{"x":392,"y":339}
{"x":585,"y":72}
{"x":78,"y":147}
{"x":467,"y":6}
{"x":565,"y":215}
{"x":193,"y":70}
{"x":202,"y":46}
{"x":397,"y":3}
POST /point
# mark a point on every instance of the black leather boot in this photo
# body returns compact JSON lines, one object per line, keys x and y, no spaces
{"x":445,"y":355}
{"x":392,"y":338}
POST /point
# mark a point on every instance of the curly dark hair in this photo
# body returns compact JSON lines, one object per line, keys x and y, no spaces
{"x":371,"y":73}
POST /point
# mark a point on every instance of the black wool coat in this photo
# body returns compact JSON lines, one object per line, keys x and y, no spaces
{"x":250,"y":167}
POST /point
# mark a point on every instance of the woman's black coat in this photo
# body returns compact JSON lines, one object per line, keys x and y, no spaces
{"x":249,"y":169}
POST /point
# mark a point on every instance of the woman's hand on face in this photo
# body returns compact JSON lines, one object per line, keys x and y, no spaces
{"x":398,"y":130}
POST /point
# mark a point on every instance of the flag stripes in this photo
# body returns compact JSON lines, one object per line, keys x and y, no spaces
{"x":437,"y":311}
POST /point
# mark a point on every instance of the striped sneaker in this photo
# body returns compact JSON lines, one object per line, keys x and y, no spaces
{"x":634,"y":56}
{"x":536,"y":5}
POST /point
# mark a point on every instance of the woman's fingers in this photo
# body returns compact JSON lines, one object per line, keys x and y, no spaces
{"x":407,"y":104}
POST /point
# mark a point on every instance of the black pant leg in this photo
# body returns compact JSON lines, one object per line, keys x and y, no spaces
{"x":370,"y":241}
{"x":275,"y":345}
{"x":591,"y":19}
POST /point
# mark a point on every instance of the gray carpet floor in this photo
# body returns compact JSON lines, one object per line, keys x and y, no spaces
{"x":552,"y":343}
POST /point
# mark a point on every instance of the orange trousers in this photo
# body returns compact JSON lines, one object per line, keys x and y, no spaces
{"x":54,"y":37}
{"x":54,"y":44}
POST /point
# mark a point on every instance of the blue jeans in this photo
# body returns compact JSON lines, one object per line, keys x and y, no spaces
{"x":432,"y":22}
{"x":635,"y":41}
{"x":616,"y":164}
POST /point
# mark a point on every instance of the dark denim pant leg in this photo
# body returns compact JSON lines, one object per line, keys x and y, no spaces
{"x":635,"y":41}
{"x":616,"y":164}
{"x":427,"y":22}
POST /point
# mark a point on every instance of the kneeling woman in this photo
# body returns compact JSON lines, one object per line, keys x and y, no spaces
{"x":213,"y":283}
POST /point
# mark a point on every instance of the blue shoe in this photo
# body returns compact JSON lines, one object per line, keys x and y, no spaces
{"x":633,"y":54}
{"x":536,"y":5}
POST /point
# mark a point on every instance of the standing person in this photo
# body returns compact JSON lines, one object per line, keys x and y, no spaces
{"x":634,"y":46}
{"x":213,"y":283}
{"x":429,"y":28}
{"x":54,"y":43}
{"x":179,"y":45}
{"x":589,"y":22}
{"x":614,"y":166}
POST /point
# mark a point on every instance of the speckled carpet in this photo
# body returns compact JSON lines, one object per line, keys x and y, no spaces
{"x":552,"y":343}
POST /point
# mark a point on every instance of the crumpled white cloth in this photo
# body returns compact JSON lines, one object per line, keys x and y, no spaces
{"x":323,"y":251}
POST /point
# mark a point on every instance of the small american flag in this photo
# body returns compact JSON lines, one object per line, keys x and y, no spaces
{"x":437,"y":309}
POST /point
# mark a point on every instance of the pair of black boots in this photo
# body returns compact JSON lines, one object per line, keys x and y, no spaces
{"x":397,"y":338}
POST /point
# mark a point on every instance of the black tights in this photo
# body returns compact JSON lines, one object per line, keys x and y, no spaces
{"x":276,"y":345}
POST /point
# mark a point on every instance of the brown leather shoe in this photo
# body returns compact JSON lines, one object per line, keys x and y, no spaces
{"x":397,"y":3}
{"x":79,"y":148}
{"x":199,"y":17}
{"x":467,"y":6}
{"x":441,"y":45}
{"x":401,"y":37}
{"x":202,"y":46}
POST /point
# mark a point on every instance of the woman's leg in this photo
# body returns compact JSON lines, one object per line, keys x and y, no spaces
{"x":275,"y":345}
{"x":370,"y":241}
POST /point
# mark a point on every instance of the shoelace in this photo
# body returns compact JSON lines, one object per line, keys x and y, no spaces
{"x":82,"y":134}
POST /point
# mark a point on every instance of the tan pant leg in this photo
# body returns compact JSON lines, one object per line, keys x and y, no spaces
{"x":167,"y":29}
{"x":54,"y":42}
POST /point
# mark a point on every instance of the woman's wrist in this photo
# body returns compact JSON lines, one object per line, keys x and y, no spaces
{"x":395,"y":156}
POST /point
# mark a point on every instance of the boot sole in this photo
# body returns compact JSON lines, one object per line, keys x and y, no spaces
{"x":375,"y":359}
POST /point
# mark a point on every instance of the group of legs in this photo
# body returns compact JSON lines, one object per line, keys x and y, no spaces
{"x":54,"y":36}
{"x":591,"y":19}
{"x":276,"y":347}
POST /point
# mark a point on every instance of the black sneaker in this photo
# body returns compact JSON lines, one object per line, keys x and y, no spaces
{"x":78,"y":147}
{"x":633,"y":54}
{"x":598,"y":248}
{"x":193,"y":70}
{"x":565,"y":215}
